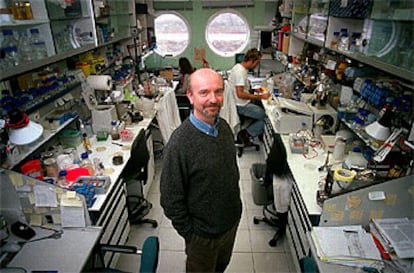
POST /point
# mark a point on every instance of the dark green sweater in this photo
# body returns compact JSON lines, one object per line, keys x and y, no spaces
{"x":200,"y":181}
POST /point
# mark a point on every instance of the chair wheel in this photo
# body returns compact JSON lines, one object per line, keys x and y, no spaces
{"x":154,"y":225}
{"x":257,"y":148}
{"x":256,"y":221}
{"x":273,"y":243}
{"x":239,"y":152}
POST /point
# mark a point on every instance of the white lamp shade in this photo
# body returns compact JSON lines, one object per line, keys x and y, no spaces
{"x":26,"y":135}
{"x":377,"y":131}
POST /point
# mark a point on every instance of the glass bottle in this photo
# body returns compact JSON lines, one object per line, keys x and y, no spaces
{"x":26,"y":50}
{"x":51,"y":167}
{"x":9,"y":47}
{"x":87,"y":163}
{"x":61,"y":181}
{"x":86,"y":143}
{"x":114,"y":130}
{"x":38,"y":45}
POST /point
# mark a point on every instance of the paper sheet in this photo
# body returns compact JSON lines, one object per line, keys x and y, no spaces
{"x":45,"y":196}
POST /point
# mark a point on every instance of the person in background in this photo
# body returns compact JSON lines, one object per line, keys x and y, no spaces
{"x":248,"y":104}
{"x":199,"y":182}
{"x":185,"y":70}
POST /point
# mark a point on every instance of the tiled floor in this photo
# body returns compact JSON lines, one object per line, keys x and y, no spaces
{"x":251,"y":253}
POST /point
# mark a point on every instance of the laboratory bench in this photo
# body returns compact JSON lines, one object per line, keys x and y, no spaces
{"x":306,"y":211}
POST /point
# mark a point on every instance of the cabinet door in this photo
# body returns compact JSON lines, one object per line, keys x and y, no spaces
{"x":72,"y":25}
{"x":18,"y":32}
{"x":113,"y":19}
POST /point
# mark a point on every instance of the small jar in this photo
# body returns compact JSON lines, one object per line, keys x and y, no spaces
{"x":51,"y":167}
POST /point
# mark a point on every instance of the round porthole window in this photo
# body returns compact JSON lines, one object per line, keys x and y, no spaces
{"x":227,"y":33}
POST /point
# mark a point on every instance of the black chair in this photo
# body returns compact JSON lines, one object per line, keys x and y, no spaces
{"x":184,"y":105}
{"x":135,"y":175}
{"x":242,"y":144}
{"x":149,"y":255}
{"x":276,"y":168}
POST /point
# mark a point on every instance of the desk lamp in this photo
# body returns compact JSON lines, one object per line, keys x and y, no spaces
{"x":380,"y":130}
{"x":22,"y":130}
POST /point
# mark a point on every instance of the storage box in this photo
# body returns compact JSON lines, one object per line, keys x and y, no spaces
{"x":70,"y":138}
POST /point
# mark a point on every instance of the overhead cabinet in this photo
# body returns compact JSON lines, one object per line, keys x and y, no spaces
{"x":378,"y":33}
{"x":66,"y":29}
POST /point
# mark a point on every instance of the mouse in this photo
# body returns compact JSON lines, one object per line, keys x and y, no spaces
{"x":22,"y":230}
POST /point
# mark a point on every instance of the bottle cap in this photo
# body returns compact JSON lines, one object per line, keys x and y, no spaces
{"x":63,"y":173}
{"x":84,"y":155}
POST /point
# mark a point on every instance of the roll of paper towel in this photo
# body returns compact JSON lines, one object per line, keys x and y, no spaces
{"x":100,"y":82}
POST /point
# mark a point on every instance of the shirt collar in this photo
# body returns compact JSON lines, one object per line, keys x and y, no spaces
{"x":205,"y":127}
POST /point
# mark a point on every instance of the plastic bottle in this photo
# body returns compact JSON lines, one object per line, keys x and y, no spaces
{"x":339,"y":149}
{"x":87,"y":163}
{"x":38,"y":45}
{"x":61,"y":181}
{"x":115,"y":130}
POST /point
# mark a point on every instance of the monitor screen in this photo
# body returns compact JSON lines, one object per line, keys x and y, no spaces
{"x":239,"y":57}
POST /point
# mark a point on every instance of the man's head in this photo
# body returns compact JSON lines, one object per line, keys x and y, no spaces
{"x":205,"y":92}
{"x":252,"y":58}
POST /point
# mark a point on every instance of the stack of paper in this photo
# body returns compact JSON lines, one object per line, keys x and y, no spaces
{"x":396,"y":239}
{"x":346,"y":245}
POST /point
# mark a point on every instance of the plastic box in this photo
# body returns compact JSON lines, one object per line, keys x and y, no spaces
{"x":70,"y":138}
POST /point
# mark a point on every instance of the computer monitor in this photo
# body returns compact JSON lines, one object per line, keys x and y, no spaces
{"x":239,"y":57}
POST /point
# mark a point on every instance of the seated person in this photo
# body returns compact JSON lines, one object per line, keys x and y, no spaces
{"x":185,"y":70}
{"x":248,"y":104}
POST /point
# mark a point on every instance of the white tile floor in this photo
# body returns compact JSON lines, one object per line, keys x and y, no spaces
{"x":251,"y":253}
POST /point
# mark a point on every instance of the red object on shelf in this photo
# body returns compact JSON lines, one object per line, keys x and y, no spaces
{"x":74,"y":173}
{"x":33,"y":169}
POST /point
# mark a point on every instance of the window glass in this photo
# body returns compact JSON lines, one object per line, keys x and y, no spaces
{"x":172,"y":34}
{"x":227,"y":33}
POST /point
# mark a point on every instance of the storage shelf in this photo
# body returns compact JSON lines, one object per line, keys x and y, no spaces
{"x":47,"y":135}
{"x":15,"y":71}
{"x":361,"y":135}
{"x":17,"y":23}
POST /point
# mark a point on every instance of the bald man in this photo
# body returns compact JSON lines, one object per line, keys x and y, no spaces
{"x":199,"y":184}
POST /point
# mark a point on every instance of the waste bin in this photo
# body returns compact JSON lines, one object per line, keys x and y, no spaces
{"x":262,"y":189}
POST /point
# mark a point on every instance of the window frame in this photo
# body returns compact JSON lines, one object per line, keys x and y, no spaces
{"x":169,"y":12}
{"x":242,"y":17}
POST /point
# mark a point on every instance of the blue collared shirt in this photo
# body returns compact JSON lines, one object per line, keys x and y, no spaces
{"x":205,"y":127}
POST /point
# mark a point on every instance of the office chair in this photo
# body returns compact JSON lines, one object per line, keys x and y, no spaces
{"x":275,"y":174}
{"x":184,"y":106}
{"x":240,"y":144}
{"x":149,"y":255}
{"x":135,"y":174}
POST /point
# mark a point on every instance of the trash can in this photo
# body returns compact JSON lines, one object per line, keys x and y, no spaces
{"x":262,"y":190}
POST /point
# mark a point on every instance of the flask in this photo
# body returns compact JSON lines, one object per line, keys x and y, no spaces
{"x":61,"y":181}
{"x":114,"y":130}
{"x":87,"y":163}
{"x":38,"y":45}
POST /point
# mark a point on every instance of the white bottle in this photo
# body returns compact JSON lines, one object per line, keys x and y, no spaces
{"x":270,"y":85}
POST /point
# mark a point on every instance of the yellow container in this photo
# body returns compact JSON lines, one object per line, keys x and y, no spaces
{"x":85,"y":67}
